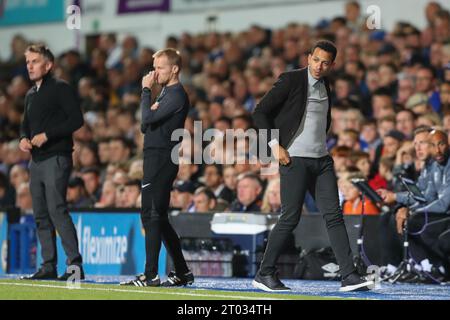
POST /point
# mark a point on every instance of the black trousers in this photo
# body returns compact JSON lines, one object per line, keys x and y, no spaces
{"x":48,"y":187}
{"x":425,"y":237}
{"x":159,"y":175}
{"x":391,"y":243}
{"x":318,"y":177}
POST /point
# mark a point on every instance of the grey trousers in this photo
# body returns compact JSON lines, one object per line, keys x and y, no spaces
{"x":48,"y":186}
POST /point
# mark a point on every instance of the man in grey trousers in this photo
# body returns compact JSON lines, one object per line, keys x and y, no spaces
{"x":52,"y":113}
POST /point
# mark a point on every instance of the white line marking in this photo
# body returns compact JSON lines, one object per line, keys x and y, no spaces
{"x":138,"y":291}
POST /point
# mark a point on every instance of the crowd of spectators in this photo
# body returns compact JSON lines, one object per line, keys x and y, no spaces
{"x":386,"y":83}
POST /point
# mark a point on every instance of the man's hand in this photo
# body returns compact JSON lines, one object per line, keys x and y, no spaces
{"x":388,"y":197}
{"x":39,"y":140}
{"x":155,"y":106}
{"x":400,"y":218}
{"x":281,"y":155}
{"x":25,"y":145}
{"x":149,"y":80}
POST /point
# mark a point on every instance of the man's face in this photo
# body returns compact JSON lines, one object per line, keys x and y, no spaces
{"x":247,"y":191}
{"x":37,"y":65}
{"x":164,"y":70}
{"x":212,"y":177}
{"x":117,"y":151}
{"x":131,"y":195}
{"x":439,"y":147}
{"x":91,"y":182}
{"x":391,"y":146}
{"x":320,"y":63}
{"x":73,"y":193}
{"x":201,"y":202}
{"x":422,"y":146}
{"x":445,"y":94}
{"x":24,"y":201}
{"x":363,"y":165}
{"x":424,"y":81}
{"x":405,"y":123}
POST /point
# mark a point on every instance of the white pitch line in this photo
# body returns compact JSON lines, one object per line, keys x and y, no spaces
{"x":137,"y":291}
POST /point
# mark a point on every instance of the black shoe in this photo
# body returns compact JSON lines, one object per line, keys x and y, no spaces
{"x":270,"y":283}
{"x":67,"y":275}
{"x":174,"y":280}
{"x":354,"y":282}
{"x":41,"y":274}
{"x":143,"y":281}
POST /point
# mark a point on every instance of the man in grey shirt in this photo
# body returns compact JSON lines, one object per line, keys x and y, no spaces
{"x":310,"y":139}
{"x":299,"y":106}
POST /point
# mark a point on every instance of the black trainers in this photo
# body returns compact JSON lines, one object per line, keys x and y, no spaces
{"x":143,"y":281}
{"x":67,"y":275}
{"x":174,"y":280}
{"x":41,"y":274}
{"x":270,"y":283}
{"x":354,"y":282}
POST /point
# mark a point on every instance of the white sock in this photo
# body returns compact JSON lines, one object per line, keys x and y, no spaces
{"x":426,"y":265}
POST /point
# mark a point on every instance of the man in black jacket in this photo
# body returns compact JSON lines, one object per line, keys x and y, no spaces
{"x":159,"y":121}
{"x":299,"y":106}
{"x":52,"y":114}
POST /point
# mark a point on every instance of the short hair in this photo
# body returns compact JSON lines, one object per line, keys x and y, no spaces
{"x":369,"y":122}
{"x":391,"y":66}
{"x":388,"y":118}
{"x":351,"y":132}
{"x":250,"y":175}
{"x":42,"y":50}
{"x":412,"y":113}
{"x":218,"y":167}
{"x":341,"y":151}
{"x":207,"y":192}
{"x":355,"y":156}
{"x":382,"y":92}
{"x":93,"y":170}
{"x":133,"y":183}
{"x":224,"y":119}
{"x":327,"y":46}
{"x":126,"y":143}
{"x":354,"y":4}
{"x":387,"y":162}
{"x":430,"y":69}
{"x":347,"y":78}
{"x":172,"y":55}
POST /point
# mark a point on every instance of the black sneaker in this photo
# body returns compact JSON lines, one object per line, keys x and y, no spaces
{"x":143,"y":281}
{"x":174,"y":280}
{"x":41,"y":274}
{"x":67,"y":275}
{"x":270,"y":283}
{"x":354,"y":282}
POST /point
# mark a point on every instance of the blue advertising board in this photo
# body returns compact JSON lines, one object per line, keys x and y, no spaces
{"x":20,"y":12}
{"x":110,"y":244}
{"x":3,"y":243}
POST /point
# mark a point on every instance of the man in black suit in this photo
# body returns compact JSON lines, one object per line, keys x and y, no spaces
{"x":52,"y":114}
{"x":299,"y":106}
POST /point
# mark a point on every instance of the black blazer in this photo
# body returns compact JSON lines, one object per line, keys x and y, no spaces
{"x":284,"y":105}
